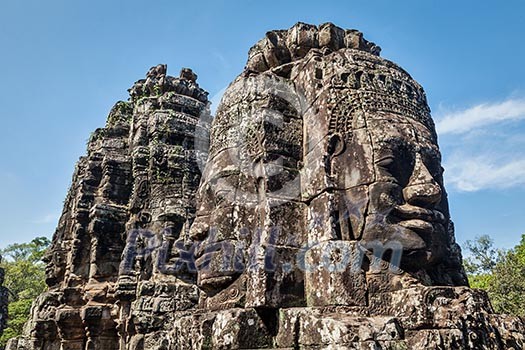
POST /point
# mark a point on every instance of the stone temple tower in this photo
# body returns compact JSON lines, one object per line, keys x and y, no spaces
{"x":131,"y":199}
{"x":317,"y":218}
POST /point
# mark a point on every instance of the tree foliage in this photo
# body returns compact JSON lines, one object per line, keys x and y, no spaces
{"x":484,"y":256}
{"x":25,"y":279}
{"x":500,"y":272}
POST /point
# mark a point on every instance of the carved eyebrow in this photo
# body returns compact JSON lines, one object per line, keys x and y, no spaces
{"x":430,"y":151}
{"x":394,"y":144}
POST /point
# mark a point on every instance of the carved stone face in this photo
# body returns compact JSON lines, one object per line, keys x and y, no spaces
{"x":214,"y":227}
{"x":247,"y":189}
{"x":401,"y":177}
{"x":369,"y":165}
{"x":55,"y":266}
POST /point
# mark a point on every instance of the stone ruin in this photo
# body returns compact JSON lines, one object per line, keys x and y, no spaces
{"x":308,"y":213}
{"x":4,"y":300}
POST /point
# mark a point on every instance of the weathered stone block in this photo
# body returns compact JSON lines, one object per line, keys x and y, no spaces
{"x":334,"y":275}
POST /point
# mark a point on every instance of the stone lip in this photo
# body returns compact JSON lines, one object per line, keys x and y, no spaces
{"x":280,"y":47}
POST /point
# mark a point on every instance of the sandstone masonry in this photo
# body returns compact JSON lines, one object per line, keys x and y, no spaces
{"x":308,"y":213}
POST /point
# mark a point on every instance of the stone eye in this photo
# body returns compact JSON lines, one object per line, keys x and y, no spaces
{"x":386,"y":161}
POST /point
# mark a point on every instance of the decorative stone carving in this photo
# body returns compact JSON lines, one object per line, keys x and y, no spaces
{"x":320,"y":220}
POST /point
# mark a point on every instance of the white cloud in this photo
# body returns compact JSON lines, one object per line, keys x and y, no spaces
{"x":482,"y":150}
{"x":480,"y":115}
{"x":216,"y":99}
{"x":47,"y":219}
{"x":484,"y":172}
{"x":222,"y":60}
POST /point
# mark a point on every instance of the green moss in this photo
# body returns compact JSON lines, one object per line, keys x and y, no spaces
{"x":157,"y":90}
{"x":178,"y":150}
{"x":399,"y":346}
{"x":97,"y":135}
{"x":122,"y":112}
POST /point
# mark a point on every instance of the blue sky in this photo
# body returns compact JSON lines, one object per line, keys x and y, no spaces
{"x":64,"y":64}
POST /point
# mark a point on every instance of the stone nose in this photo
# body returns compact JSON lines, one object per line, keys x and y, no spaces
{"x":422,"y":189}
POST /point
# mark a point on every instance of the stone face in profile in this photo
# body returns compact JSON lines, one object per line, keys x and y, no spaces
{"x":314,"y":216}
{"x":382,"y":155}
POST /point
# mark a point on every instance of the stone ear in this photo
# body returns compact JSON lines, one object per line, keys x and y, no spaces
{"x":336,"y":145}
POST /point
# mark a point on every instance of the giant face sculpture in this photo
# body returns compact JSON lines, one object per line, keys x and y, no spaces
{"x":249,"y":189}
{"x":373,"y":168}
{"x":406,"y":202}
{"x":361,"y":145}
{"x":55,"y":266}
